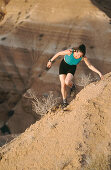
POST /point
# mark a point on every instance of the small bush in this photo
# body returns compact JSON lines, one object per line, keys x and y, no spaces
{"x":84,"y":80}
{"x":41,"y":105}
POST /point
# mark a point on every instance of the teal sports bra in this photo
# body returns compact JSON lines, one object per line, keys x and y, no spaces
{"x":69,"y":59}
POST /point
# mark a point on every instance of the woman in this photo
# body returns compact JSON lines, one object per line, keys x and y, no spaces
{"x":72,"y":58}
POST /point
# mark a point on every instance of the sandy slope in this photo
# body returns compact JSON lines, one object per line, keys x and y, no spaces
{"x":30,"y":33}
{"x":69,"y":139}
{"x":33,"y":31}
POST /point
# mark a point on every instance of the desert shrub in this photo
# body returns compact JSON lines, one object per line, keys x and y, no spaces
{"x":41,"y":105}
{"x":84,"y":80}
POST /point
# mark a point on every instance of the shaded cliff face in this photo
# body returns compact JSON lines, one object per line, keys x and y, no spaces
{"x":103,"y":5}
{"x":79,"y":137}
{"x":38,"y":30}
{"x":32,"y":32}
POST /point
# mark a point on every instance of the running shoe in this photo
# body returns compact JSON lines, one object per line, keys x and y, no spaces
{"x":64,"y":104}
{"x":72,"y":92}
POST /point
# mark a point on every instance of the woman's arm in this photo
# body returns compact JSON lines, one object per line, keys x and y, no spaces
{"x":91,"y":67}
{"x":49,"y":64}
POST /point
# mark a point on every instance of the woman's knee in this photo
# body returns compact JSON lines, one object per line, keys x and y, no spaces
{"x":67,"y":82}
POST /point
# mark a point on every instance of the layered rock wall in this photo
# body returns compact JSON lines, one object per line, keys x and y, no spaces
{"x":33,"y":31}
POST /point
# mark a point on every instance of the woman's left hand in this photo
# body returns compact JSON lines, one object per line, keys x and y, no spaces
{"x":101,"y":76}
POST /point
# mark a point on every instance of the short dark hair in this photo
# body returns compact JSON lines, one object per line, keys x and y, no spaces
{"x":82,"y":48}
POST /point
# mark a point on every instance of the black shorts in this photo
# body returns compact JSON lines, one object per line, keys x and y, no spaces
{"x":65,"y":68}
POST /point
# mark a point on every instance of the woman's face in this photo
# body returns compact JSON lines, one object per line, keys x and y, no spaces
{"x":78,"y":54}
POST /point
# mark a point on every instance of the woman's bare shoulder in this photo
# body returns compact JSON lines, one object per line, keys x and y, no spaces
{"x":84,"y":58}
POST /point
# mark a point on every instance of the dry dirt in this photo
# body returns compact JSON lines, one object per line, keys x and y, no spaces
{"x":33,"y":31}
{"x":77,"y":138}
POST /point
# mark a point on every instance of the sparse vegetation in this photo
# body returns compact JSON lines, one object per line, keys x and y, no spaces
{"x":100,"y":163}
{"x":84,"y":80}
{"x":41,"y":105}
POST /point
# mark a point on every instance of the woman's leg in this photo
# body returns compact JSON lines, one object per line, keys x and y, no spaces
{"x":63,"y":86}
{"x":68,"y":80}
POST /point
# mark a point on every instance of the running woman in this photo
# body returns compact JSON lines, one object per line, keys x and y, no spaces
{"x":67,"y":68}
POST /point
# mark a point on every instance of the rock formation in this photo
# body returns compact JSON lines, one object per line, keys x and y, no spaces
{"x":77,"y":138}
{"x":33,"y":31}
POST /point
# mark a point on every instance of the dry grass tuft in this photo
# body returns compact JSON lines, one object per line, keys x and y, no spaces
{"x":41,"y":105}
{"x":84,"y":80}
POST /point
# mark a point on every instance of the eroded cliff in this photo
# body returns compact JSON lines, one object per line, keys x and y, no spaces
{"x":33,"y":31}
{"x":77,"y":138}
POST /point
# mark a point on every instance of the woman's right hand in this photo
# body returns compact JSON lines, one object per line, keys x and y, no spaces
{"x":49,"y":64}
